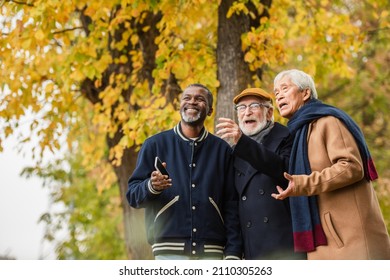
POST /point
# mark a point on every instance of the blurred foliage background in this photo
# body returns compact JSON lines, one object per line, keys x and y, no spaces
{"x":91,"y":80}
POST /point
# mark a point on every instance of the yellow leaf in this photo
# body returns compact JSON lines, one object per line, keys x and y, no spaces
{"x":102,"y":63}
{"x":146,"y":28}
{"x":249,"y":57}
{"x":39,"y":35}
{"x":324,"y":3}
{"x":123,"y":59}
{"x":49,"y":87}
{"x":8,"y":131}
{"x":182,"y":70}
{"x":77,"y":75}
{"x":26,"y":44}
{"x":134,"y":39}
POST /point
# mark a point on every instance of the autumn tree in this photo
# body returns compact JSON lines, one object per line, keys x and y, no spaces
{"x":129,"y":59}
{"x":98,"y":77}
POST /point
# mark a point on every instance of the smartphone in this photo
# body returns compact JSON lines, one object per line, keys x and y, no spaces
{"x":160,"y":167}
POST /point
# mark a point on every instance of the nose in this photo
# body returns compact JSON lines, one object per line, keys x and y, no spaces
{"x":248,"y":111}
{"x":278,"y":98}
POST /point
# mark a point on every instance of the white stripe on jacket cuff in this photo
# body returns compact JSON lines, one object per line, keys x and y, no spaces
{"x":150,"y":188}
{"x":231,"y":257}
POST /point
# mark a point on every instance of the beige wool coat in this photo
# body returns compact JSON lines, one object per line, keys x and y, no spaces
{"x":348,"y":206}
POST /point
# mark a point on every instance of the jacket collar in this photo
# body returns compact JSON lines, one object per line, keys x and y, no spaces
{"x":202,"y":136}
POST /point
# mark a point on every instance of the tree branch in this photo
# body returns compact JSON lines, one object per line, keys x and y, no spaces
{"x":374,"y":31}
{"x":20,"y":3}
{"x":68,"y":29}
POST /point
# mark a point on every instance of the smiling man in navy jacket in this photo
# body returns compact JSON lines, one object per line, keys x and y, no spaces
{"x":262,"y":151}
{"x":193,"y":213}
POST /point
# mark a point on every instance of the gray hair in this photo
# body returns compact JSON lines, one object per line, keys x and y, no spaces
{"x":300,"y":79}
{"x":270,"y":106}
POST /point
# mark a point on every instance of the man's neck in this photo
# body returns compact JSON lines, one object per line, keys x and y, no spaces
{"x":191,"y":131}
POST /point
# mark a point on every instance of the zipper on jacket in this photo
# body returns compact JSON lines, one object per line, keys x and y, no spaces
{"x":169,"y":204}
{"x":216,"y":208}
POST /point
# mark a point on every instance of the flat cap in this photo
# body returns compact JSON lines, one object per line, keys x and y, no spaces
{"x":253,"y":92}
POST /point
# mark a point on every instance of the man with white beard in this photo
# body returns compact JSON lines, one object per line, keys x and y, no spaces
{"x":261,"y":149}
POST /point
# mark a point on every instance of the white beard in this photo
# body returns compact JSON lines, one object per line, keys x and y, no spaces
{"x":252,"y":131}
{"x":189,"y":119}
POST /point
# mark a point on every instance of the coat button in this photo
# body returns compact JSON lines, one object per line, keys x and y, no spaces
{"x":248,"y":224}
{"x":243,"y":198}
{"x":265,"y":219}
{"x":261,"y":192}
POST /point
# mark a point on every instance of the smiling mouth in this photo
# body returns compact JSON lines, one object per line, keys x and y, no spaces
{"x":191,"y":110}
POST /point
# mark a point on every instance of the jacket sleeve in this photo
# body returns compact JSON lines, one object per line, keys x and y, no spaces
{"x":273,"y":164}
{"x":334,"y":159}
{"x":139,"y":191}
{"x":233,"y":247}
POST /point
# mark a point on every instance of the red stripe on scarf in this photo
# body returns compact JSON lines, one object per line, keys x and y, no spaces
{"x":306,"y":241}
{"x":372,"y":170}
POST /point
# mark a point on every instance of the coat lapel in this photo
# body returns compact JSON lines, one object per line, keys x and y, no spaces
{"x":244,"y":171}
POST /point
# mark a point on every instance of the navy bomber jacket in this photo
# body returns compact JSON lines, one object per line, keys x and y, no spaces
{"x":198,"y":215}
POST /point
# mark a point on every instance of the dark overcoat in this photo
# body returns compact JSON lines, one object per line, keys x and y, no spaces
{"x":265,"y":222}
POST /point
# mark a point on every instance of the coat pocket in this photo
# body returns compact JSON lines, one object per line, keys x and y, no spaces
{"x":166,"y":206}
{"x":216,"y":208}
{"x":333,"y":233}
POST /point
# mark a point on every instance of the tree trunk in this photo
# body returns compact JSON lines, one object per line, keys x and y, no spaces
{"x":233,"y":73}
{"x":137,"y":247}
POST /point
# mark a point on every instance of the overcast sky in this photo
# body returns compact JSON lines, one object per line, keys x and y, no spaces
{"x":22,"y":202}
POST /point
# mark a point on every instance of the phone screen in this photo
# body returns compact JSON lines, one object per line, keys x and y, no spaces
{"x":160,"y":167}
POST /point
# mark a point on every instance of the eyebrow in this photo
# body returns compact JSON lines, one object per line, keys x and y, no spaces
{"x":282,"y":85}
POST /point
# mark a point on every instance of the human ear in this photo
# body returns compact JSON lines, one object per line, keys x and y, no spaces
{"x":306,"y":94}
{"x":270,"y":113}
{"x":210,"y":111}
